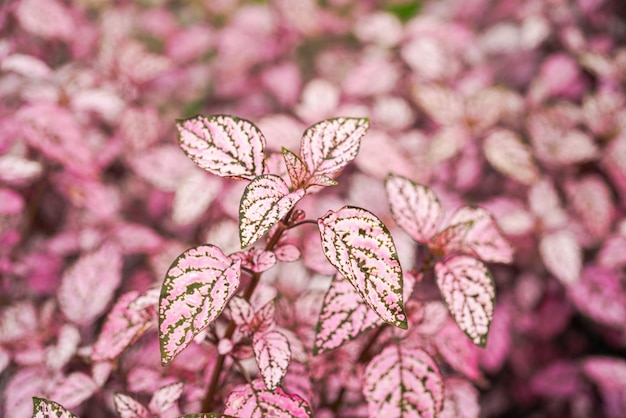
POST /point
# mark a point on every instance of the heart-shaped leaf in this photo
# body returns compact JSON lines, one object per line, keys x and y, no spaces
{"x":360,"y":246}
{"x":295,"y":168}
{"x":44,"y":408}
{"x":265,"y":201}
{"x":330,"y":145}
{"x":128,"y":407}
{"x":273,"y":354}
{"x":223,"y":145}
{"x":255,"y":401}
{"x":195,"y":291}
{"x":403,"y":382}
{"x":414,"y":207}
{"x":469,"y":291}
{"x":344,"y":316}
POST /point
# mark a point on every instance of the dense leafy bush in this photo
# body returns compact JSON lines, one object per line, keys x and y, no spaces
{"x":397,"y":208}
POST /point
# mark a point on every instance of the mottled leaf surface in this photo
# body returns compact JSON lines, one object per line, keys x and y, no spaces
{"x":296,"y":169}
{"x":484,"y":238}
{"x":223,"y":145}
{"x":195,"y":291}
{"x":469,"y":291}
{"x":44,"y":408}
{"x":344,"y":316}
{"x":403,"y":382}
{"x":414,"y":207}
{"x":265,"y":201}
{"x":128,"y":407}
{"x":88,"y":285}
{"x":330,"y":145}
{"x":562,"y":256}
{"x":255,"y":401}
{"x":273,"y":354}
{"x":359,"y":245}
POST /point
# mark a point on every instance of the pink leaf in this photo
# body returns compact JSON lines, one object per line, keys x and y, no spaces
{"x":193,"y":197}
{"x":123,"y":326}
{"x":74,"y":389}
{"x":469,"y":291}
{"x":5,"y":359}
{"x":57,"y":356}
{"x":403,"y":382}
{"x":88,"y":286}
{"x":240,"y":311}
{"x":562,"y":256}
{"x":330,"y":145}
{"x":44,"y":408}
{"x":461,"y":399}
{"x":451,"y":239}
{"x":591,"y":199}
{"x":600,"y":296}
{"x":127,"y":407}
{"x":296,"y":169}
{"x":443,"y":105}
{"x":459,"y":352}
{"x":255,"y":259}
{"x":359,"y":245}
{"x":165,"y":397}
{"x":265,"y":201}
{"x":414,"y":207}
{"x":609,"y":373}
{"x":344,"y":316}
{"x":506,"y":152}
{"x":195,"y":291}
{"x":287,"y":253}
{"x":255,"y":401}
{"x":484,"y":239}
{"x":16,"y":170}
{"x":164,"y":167}
{"x":272,"y":353}
{"x":223,"y":145}
{"x":48,"y":19}
{"x":321,"y":180}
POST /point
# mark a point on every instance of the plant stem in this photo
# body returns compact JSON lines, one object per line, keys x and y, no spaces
{"x":209,"y":402}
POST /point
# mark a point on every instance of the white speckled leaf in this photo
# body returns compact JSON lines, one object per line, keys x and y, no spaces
{"x":128,"y":407}
{"x":295,"y":168}
{"x":360,"y":246}
{"x":330,"y":145}
{"x":255,"y":401}
{"x":403,"y":382}
{"x":272,"y":353}
{"x":223,"y":145}
{"x":469,"y":291}
{"x":344,"y":316}
{"x":414,"y":207}
{"x":44,"y":408}
{"x":195,"y":291}
{"x":265,"y":201}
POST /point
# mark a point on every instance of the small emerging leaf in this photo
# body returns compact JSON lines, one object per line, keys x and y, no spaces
{"x":403,"y":382}
{"x":295,"y":168}
{"x":414,"y":207}
{"x":330,"y":145}
{"x":469,"y":291}
{"x":344,"y":316}
{"x":195,"y":291}
{"x":360,"y":246}
{"x":44,"y":408}
{"x":265,"y":201}
{"x":223,"y":145}
{"x":272,"y":353}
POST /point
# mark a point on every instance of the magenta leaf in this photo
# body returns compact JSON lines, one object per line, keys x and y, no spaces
{"x":484,"y":239}
{"x":165,"y":397}
{"x":469,"y":291}
{"x":403,"y":382}
{"x":330,"y":145}
{"x":414,"y":207}
{"x":287,"y":253}
{"x":123,"y":326}
{"x":344,"y":316}
{"x":360,"y":246}
{"x":272,"y":353}
{"x":88,"y":286}
{"x":265,"y":201}
{"x":461,"y":399}
{"x":298,"y":173}
{"x":44,"y":408}
{"x":507,"y":153}
{"x":128,"y":407}
{"x":195,"y":291}
{"x":223,"y":145}
{"x":562,"y":256}
{"x":255,"y":401}
{"x":459,"y":352}
{"x":600,"y":296}
{"x":591,"y":199}
{"x":609,"y":374}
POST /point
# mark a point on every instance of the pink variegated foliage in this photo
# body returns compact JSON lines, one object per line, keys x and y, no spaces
{"x":221,"y":275}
